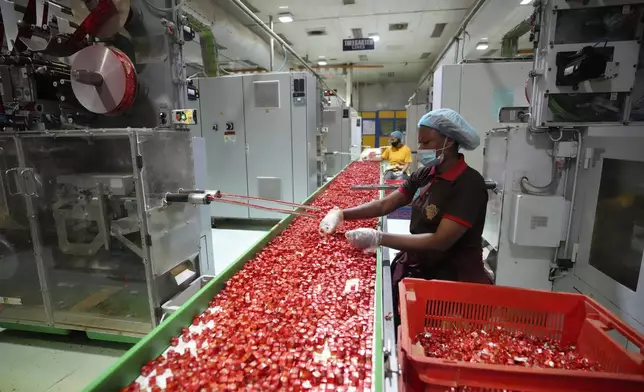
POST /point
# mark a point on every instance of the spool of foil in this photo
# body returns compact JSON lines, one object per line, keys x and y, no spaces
{"x":103,"y":80}
{"x":82,"y":8}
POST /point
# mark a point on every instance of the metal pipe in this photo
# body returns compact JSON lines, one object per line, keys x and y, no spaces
{"x":455,"y":37}
{"x":263,"y":26}
{"x":272,"y":57}
{"x":574,"y":192}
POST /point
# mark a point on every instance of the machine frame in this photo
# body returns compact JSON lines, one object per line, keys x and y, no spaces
{"x":157,"y":223}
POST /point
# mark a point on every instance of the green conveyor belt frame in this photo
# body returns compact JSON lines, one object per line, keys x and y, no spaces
{"x":128,"y":367}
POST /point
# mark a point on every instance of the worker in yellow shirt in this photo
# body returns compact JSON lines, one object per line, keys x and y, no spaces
{"x":398,"y":156}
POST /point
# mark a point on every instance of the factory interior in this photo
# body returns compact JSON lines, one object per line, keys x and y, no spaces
{"x":336,"y":195}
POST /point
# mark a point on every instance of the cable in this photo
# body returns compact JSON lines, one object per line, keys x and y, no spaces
{"x":285,"y":59}
{"x":557,"y":139}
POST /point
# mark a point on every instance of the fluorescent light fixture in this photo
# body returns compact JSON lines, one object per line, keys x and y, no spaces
{"x":285,"y":17}
{"x":482,"y":46}
{"x":524,"y":2}
{"x":283,"y":7}
{"x":322,"y":62}
{"x":374,"y":37}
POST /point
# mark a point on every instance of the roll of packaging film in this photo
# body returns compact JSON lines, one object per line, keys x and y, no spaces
{"x":104,"y":80}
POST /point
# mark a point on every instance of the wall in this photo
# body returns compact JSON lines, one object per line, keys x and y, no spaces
{"x":384,"y":96}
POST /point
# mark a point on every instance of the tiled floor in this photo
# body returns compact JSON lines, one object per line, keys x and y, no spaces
{"x":32,"y":362}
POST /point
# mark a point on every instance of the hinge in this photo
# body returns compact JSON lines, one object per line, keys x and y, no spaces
{"x":139,"y":162}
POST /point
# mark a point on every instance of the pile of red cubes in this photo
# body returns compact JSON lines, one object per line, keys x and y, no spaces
{"x":298,"y":316}
{"x":501,"y":347}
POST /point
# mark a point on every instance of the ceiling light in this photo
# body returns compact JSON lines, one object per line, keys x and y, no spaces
{"x":285,"y":17}
{"x":283,"y":7}
{"x":322,"y":62}
{"x":374,"y":37}
{"x":482,"y":46}
{"x":524,"y":2}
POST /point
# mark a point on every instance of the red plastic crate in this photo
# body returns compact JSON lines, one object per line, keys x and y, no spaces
{"x":571,"y":318}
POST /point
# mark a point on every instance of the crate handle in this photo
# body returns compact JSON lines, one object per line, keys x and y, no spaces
{"x":610,"y":323}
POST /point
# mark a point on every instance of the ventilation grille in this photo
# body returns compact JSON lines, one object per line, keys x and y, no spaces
{"x":328,"y":117}
{"x":357,"y":33}
{"x":438,"y":30}
{"x":282,"y":36}
{"x":348,"y":2}
{"x":394,"y":48}
{"x":316,"y":32}
{"x":390,"y":74}
{"x":363,"y":57}
{"x":398,"y":26}
{"x":425,"y":55}
{"x":267,"y":94}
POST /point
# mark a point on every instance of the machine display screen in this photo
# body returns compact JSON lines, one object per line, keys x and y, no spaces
{"x":618,"y":233}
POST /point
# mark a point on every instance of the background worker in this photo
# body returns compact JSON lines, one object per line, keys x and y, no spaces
{"x":398,"y":156}
{"x":448,"y":200}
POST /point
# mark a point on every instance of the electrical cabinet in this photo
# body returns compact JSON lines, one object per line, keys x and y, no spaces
{"x":461,"y":86}
{"x":260,"y":134}
{"x":538,"y":220}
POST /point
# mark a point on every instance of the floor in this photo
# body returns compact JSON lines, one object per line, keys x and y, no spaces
{"x":31,"y":362}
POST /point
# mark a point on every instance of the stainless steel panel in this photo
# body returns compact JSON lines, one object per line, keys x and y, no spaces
{"x":332,"y":120}
{"x":611,"y":199}
{"x":222,"y":102}
{"x":20,"y":287}
{"x":302,"y":145}
{"x":313,"y":108}
{"x":269,"y":139}
{"x":494,"y":161}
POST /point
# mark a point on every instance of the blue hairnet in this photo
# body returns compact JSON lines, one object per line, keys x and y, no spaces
{"x":397,"y":134}
{"x":451,"y":124}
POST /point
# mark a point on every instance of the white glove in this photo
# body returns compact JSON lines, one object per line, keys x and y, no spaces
{"x":367,"y":239}
{"x":331,"y":221}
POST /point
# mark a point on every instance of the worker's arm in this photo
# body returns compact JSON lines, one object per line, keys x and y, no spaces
{"x":383,"y":157}
{"x":377,"y":208}
{"x":446,"y":235}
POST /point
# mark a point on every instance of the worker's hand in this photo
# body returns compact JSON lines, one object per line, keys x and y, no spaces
{"x":331,"y":221}
{"x":367,"y":239}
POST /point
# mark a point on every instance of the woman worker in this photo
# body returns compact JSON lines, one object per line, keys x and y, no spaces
{"x":399,"y":157}
{"x":448,"y":200}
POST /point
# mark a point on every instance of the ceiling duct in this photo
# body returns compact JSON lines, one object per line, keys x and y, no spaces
{"x":398,"y":26}
{"x":357,"y":33}
{"x":316,"y":32}
{"x":425,"y":55}
{"x":438,"y":30}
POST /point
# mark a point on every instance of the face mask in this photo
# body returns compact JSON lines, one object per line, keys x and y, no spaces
{"x":395,"y":143}
{"x":428,"y":158}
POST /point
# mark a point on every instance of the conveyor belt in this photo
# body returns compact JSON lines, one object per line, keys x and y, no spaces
{"x":128,"y":367}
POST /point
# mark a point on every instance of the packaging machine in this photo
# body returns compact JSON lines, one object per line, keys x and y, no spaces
{"x":566,"y":214}
{"x":88,"y":239}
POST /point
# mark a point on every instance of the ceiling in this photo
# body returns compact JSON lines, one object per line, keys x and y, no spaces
{"x":397,"y":54}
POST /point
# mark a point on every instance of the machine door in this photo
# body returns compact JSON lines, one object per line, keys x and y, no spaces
{"x":269,"y":138}
{"x":21,"y":296}
{"x":224,"y":131}
{"x":611,"y":225}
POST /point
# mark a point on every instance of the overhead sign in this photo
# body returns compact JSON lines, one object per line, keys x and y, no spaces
{"x":352,"y":44}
